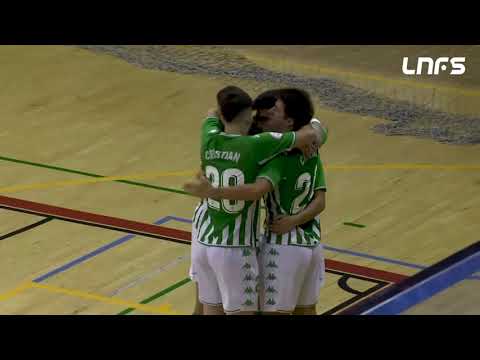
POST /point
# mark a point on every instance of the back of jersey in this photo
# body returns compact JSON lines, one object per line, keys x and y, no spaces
{"x":230,"y":160}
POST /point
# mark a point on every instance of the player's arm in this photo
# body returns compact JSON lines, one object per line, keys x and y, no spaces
{"x":314,"y":207}
{"x":311,"y":137}
{"x":249,"y":192}
{"x":286,"y":223}
{"x":212,"y":124}
{"x":202,"y":188}
{"x":308,"y":139}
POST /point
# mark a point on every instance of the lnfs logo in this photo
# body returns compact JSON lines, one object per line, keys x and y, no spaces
{"x":457,"y":66}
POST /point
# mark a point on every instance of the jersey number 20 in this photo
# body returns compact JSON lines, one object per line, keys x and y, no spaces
{"x":228,"y":177}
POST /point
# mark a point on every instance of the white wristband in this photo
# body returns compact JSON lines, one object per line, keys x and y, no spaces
{"x":316,"y":124}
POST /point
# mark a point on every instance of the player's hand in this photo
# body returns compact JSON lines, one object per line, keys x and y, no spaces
{"x":310,"y":150}
{"x":321,"y":130}
{"x":199,"y":186}
{"x":283,"y":224}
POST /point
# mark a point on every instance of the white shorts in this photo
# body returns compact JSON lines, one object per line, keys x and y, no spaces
{"x":191,"y":272}
{"x":226,"y":276}
{"x":194,"y":245}
{"x":291,"y":276}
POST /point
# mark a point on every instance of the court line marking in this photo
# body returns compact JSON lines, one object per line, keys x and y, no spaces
{"x":67,"y":183}
{"x":354,"y":225}
{"x":331,"y":264}
{"x":91,"y":254}
{"x":149,"y":275}
{"x":103,"y":221}
{"x":405,"y":166}
{"x":164,"y":309}
{"x":425,"y":284}
{"x":122,"y":178}
{"x":356,"y":298}
{"x":157,"y":295}
{"x":24,"y":162}
{"x":26,"y":228}
{"x":15,"y":291}
{"x":128,"y":226}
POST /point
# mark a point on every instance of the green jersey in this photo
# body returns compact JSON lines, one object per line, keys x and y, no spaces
{"x":295,"y":181}
{"x":230,"y":160}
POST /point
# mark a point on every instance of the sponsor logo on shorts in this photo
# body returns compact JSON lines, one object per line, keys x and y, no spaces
{"x":248,"y":290}
{"x":248,"y":302}
{"x":246,"y":252}
{"x":270,"y":302}
{"x":271,"y":276}
{"x":272,"y":264}
{"x":273,"y":252}
{"x":271,"y":289}
{"x":248,"y":277}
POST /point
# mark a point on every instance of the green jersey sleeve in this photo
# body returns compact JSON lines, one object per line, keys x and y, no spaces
{"x":320,"y":183}
{"x":270,"y":144}
{"x":272,"y":171}
{"x":211,"y":126}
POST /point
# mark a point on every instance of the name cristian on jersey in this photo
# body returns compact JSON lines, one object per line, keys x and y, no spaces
{"x":224,"y":155}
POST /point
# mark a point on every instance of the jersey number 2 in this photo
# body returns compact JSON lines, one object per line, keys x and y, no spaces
{"x":304,"y":182}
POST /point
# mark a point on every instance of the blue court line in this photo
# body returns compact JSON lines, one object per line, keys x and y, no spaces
{"x":93,"y":253}
{"x":374,"y":257}
{"x":180,"y":219}
{"x":438,"y":281}
{"x":166,"y":219}
{"x":355,"y":253}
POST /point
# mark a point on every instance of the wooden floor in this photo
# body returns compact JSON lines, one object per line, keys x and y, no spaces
{"x":70,"y":116}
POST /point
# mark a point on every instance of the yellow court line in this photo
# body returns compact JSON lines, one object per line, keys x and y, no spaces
{"x":398,"y":166}
{"x":65,"y":183}
{"x":14,"y":292}
{"x":164,"y":309}
{"x":150,"y":175}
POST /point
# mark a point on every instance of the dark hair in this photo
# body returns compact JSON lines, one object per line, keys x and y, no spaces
{"x":298,"y":104}
{"x":231,"y":101}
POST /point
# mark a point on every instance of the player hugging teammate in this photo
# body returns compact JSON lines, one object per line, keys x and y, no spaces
{"x":236,"y":269}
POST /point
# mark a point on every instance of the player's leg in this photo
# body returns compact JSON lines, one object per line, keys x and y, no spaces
{"x":198,"y":308}
{"x":213,"y":309}
{"x":236,"y":270}
{"x":208,"y":292}
{"x":284,"y":268}
{"x":314,"y":280}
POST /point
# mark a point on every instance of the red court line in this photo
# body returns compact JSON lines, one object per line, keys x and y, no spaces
{"x":364,"y":271}
{"x":110,"y":222}
{"x":162,"y":232}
